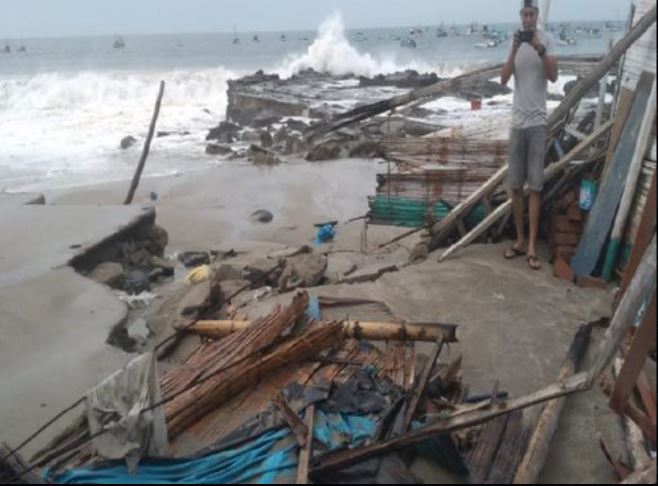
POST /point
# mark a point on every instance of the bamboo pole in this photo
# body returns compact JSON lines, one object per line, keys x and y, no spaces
{"x":643,"y":140}
{"x":535,"y":457}
{"x":374,"y":331}
{"x":421,"y":386}
{"x":147,"y":146}
{"x":549,"y":173}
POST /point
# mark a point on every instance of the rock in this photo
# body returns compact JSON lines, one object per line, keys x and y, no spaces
{"x":108,"y":273}
{"x":265,"y":119}
{"x":194,"y":258}
{"x":260,"y":156}
{"x":297,"y":125}
{"x":266,"y":140}
{"x":140,"y":257}
{"x":156,"y":274}
{"x":418,"y":129}
{"x":303,"y":271}
{"x":225,"y":132}
{"x":154,"y":238}
{"x":370,"y":273}
{"x":136,"y":282}
{"x":418,"y":112}
{"x":127,"y":142}
{"x":392,"y":127}
{"x":200,"y":297}
{"x":255,"y":272}
{"x":405,"y":79}
{"x":419,"y":253}
{"x":250,"y":136}
{"x":163,"y":133}
{"x":330,"y":150}
{"x":366,"y":150}
{"x":217,"y":149}
{"x":261,"y":216}
{"x":290,"y":252}
{"x":231,"y":287}
{"x":295,"y":145}
{"x":281,"y":136}
{"x":168,"y":266}
{"x":228,"y":271}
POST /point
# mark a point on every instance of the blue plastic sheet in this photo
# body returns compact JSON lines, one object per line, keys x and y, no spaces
{"x":268,"y":458}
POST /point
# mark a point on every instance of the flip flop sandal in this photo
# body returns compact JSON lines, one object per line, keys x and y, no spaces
{"x":513,"y":252}
{"x":534,"y":263}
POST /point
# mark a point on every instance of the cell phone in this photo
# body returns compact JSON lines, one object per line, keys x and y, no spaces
{"x":526,"y":36}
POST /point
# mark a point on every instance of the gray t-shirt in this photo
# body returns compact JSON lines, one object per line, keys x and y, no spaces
{"x":530,"y":84}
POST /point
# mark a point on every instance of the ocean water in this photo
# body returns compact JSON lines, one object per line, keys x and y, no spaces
{"x":66,"y":103}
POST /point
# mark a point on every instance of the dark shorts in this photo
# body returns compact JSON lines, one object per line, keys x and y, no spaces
{"x":527,"y":148}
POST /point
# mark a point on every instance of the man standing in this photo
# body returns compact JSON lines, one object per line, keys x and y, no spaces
{"x":533,"y":63}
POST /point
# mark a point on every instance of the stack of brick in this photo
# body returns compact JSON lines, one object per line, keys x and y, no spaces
{"x":566,"y":228}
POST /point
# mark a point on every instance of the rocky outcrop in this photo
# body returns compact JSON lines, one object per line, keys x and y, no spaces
{"x":127,"y":142}
{"x":225,"y":132}
{"x":405,"y":79}
{"x":218,"y":149}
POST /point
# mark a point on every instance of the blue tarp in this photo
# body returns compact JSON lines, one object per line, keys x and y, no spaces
{"x":268,"y":458}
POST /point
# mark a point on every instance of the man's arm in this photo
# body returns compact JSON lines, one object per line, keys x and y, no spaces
{"x":547,"y":56}
{"x":508,"y":67}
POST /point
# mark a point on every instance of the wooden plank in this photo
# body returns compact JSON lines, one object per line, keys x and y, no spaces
{"x":482,"y":456}
{"x":422,"y":386}
{"x":603,"y":213}
{"x":630,"y":186}
{"x":13,"y":465}
{"x":295,"y":424}
{"x":644,"y":339}
{"x":644,"y":235}
{"x":307,"y":451}
{"x":535,"y":457}
{"x":510,"y":451}
{"x":626,"y":97}
{"x":647,"y":395}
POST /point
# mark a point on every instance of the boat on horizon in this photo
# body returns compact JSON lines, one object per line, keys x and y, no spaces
{"x":119,"y":43}
{"x":408,"y":42}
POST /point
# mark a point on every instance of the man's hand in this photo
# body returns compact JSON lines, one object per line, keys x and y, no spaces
{"x":517,"y":42}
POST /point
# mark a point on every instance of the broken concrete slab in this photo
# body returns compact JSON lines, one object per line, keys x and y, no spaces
{"x":306,"y":270}
{"x":21,"y":198}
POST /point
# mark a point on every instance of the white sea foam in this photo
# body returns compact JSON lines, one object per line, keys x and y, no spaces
{"x":331,"y":52}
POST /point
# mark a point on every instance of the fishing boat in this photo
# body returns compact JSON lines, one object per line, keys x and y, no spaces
{"x":487,"y":44}
{"x":119,"y":43}
{"x":441,"y":32}
{"x":408,"y":42}
{"x":360,"y":37}
{"x":255,"y":39}
{"x":7,"y":49}
{"x":22,"y":48}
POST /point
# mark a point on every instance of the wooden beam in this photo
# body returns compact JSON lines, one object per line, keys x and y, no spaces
{"x":295,"y":424}
{"x":510,"y":451}
{"x":421,"y":386}
{"x":643,"y":281}
{"x":625,"y":102}
{"x":306,"y":452}
{"x":14,"y":466}
{"x":535,"y":457}
{"x":644,"y":339}
{"x":482,"y":456}
{"x":644,"y":234}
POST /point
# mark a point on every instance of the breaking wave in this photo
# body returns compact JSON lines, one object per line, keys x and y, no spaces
{"x":331,"y":52}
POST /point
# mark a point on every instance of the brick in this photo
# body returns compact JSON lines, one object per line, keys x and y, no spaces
{"x":565,"y":225}
{"x":576,"y":214}
{"x":561,"y":269}
{"x":566,"y":252}
{"x":568,"y":199}
{"x":589,"y":282}
{"x":566,"y":239}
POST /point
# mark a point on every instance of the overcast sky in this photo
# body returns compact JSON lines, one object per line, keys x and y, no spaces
{"x":46,"y":18}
